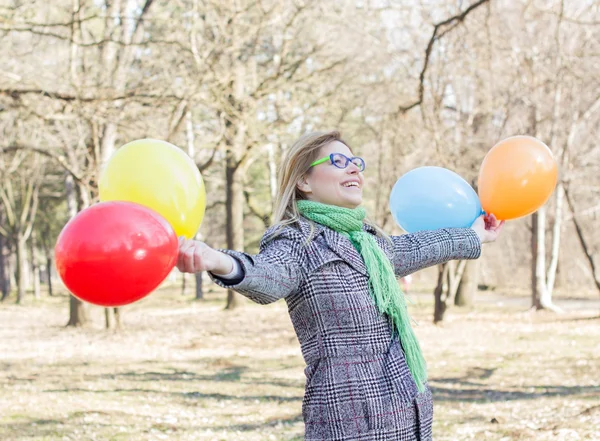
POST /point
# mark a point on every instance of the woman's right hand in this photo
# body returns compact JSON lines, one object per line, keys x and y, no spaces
{"x":195,"y":256}
{"x":487,"y":227}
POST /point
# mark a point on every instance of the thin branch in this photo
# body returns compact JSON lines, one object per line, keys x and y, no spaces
{"x":581,"y":238}
{"x":204,"y":165}
{"x":69,"y":38}
{"x":142,"y":15}
{"x":214,"y":205}
{"x":61,"y":24}
{"x":61,"y":160}
{"x":180,"y":109}
{"x":264,"y":217}
{"x":452,"y":22}
{"x":17,"y":93}
{"x":7,"y":205}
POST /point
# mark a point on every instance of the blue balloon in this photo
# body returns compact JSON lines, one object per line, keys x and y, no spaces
{"x":429,"y":198}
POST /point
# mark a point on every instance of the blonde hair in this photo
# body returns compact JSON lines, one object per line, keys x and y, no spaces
{"x":294,"y":165}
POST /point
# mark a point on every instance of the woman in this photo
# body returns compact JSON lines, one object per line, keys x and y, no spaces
{"x":365,"y":374}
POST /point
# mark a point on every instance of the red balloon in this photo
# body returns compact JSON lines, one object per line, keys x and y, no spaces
{"x":114,"y":253}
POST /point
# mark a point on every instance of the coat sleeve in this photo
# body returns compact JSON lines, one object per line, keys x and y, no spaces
{"x":276,"y":272}
{"x":415,"y":251}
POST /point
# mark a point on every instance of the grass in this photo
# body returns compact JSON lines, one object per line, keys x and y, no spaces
{"x":186,"y":370}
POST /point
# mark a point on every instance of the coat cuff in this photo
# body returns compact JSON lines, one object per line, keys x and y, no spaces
{"x":237,"y":275}
{"x":467,"y":244}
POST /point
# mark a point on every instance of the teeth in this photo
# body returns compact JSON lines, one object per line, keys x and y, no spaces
{"x":351,"y":184}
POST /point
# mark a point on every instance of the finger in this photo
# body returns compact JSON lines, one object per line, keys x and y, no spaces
{"x":492,"y":218}
{"x":181,"y":256}
{"x":188,"y":259}
{"x":185,"y":244}
{"x":197,"y":260}
{"x":496,"y":225}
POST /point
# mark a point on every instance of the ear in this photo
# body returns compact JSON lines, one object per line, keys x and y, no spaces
{"x":303,"y":185}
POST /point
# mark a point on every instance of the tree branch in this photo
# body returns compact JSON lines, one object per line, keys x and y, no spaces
{"x":204,"y":165}
{"x":452,"y":22}
{"x":264,"y":217}
{"x":17,"y":93}
{"x":581,"y":238}
{"x":61,"y":160}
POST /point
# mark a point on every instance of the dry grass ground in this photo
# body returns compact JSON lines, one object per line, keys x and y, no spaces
{"x":185,"y":370}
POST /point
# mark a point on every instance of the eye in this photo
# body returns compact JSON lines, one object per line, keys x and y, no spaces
{"x":339,"y":161}
{"x":359,"y":163}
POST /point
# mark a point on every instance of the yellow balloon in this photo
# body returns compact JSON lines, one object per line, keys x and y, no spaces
{"x":160,"y":176}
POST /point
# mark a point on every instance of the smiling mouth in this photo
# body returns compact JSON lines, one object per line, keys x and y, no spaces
{"x":351,"y":185}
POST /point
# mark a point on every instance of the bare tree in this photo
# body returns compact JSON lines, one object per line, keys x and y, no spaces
{"x":22,"y":175}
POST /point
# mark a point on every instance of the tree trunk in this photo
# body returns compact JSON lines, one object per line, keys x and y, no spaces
{"x":117,"y":313}
{"x":183,"y":283}
{"x":21,"y":253}
{"x":35,"y":267}
{"x":545,"y":297}
{"x":107,"y":149}
{"x":77,"y":311}
{"x":449,"y":277}
{"x":236,"y":148}
{"x":12,"y":271}
{"x":199,"y":287}
{"x":4,"y":279}
{"x":455,"y":274}
{"x":108,"y":142}
{"x":112,"y":318}
{"x":272,"y":174}
{"x":440,"y":304}
{"x":49,"y":272}
{"x":556,"y":230}
{"x":467,"y":288}
{"x":78,"y":316}
{"x":540,"y":260}
{"x":191,"y":149}
{"x":535,"y":299}
{"x":48,"y":254}
{"x":235,"y":218}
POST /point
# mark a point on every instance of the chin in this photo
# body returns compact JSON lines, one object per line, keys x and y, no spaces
{"x":352,"y":204}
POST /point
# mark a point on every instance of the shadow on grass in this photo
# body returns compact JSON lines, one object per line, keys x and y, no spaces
{"x":34,"y":428}
{"x":184,"y":395}
{"x":261,"y":426}
{"x":227,"y":374}
{"x":230,"y":374}
{"x":483,"y":395}
{"x":467,"y":389}
{"x":579,"y":319}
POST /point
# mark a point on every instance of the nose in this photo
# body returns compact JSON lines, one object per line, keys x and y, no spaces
{"x":352,"y":169}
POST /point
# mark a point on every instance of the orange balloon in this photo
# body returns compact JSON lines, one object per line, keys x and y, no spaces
{"x":517,"y":177}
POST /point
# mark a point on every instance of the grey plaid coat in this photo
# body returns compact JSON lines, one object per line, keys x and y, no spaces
{"x":358,"y":386}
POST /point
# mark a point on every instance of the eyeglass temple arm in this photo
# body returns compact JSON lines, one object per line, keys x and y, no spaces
{"x":320,"y":161}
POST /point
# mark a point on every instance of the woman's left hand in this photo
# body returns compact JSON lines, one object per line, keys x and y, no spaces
{"x":487,"y":227}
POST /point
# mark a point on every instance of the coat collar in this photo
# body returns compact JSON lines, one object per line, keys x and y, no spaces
{"x":337,"y":242}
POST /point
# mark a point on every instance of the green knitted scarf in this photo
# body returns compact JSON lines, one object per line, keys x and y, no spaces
{"x":383,"y":285}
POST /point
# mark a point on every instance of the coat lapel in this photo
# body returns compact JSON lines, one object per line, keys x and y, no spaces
{"x":342,"y":246}
{"x":338,"y":243}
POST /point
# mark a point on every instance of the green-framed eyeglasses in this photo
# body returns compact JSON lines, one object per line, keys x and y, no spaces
{"x":341,"y":161}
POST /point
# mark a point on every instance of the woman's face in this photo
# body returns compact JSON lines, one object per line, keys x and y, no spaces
{"x":331,"y":185}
